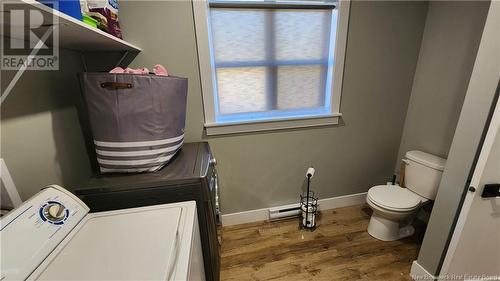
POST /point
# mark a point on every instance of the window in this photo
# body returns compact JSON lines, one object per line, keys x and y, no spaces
{"x":269,"y":65}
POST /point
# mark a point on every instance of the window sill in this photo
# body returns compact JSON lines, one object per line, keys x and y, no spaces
{"x":214,"y":129}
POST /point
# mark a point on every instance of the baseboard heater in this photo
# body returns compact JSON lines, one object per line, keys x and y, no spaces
{"x":292,"y":210}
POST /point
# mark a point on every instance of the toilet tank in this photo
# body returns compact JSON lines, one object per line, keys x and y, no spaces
{"x":423,"y":173}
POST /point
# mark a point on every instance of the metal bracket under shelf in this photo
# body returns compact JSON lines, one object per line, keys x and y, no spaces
{"x":106,"y":63}
{"x":125,"y":54}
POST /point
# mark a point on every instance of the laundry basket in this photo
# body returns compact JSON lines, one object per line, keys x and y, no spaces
{"x":137,"y":121}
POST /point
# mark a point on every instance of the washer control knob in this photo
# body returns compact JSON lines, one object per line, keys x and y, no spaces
{"x":54,"y":212}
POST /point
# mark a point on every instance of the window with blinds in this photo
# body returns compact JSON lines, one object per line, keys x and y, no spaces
{"x":271,"y":60}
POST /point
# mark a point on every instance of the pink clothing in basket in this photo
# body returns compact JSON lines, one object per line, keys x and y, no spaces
{"x":158,"y":69}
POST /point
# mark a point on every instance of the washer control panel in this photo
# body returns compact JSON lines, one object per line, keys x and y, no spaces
{"x":37,"y":227}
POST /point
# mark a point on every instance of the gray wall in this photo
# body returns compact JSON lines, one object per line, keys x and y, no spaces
{"x":41,"y":140}
{"x":260,"y":170}
{"x":449,"y":45}
{"x":446,"y":16}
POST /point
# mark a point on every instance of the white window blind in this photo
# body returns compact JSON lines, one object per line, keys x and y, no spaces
{"x":271,"y":60}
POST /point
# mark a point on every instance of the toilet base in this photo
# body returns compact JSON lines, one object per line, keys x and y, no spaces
{"x":388,"y":230}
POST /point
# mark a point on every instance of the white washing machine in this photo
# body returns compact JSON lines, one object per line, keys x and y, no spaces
{"x":52,"y":236}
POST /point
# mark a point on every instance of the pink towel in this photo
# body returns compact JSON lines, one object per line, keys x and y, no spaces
{"x":128,"y":70}
{"x":160,"y":70}
{"x":117,"y":70}
{"x":141,"y":70}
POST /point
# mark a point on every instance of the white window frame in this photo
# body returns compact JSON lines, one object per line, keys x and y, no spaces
{"x":208,"y":78}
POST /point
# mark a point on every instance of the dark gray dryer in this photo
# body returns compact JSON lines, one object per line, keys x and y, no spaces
{"x":191,"y":175}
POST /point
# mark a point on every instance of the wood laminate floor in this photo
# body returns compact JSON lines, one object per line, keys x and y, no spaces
{"x":339,"y":249}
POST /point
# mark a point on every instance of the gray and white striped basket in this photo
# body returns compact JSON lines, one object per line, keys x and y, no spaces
{"x":137,"y":121}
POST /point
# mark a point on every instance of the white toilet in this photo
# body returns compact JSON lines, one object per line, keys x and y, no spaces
{"x":394,"y":207}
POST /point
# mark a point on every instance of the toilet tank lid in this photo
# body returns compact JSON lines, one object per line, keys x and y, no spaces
{"x":426,"y":159}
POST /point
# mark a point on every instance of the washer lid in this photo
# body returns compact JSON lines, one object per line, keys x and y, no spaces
{"x":131,"y":244}
{"x":394,"y":197}
{"x":429,"y":160}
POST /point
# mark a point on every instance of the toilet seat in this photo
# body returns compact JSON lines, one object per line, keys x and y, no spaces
{"x":394,"y":198}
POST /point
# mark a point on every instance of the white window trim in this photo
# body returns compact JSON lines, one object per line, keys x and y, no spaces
{"x":207,"y":75}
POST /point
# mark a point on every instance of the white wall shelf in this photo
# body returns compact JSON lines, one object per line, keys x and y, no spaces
{"x":73,"y":33}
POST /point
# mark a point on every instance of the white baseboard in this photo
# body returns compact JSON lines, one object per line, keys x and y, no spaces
{"x":263,"y":214}
{"x":417,"y":272}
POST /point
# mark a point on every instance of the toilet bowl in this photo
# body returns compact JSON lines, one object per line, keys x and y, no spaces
{"x":394,"y":207}
{"x":393,"y":210}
